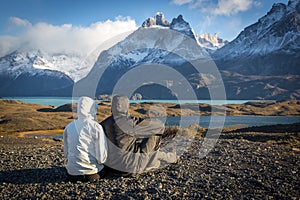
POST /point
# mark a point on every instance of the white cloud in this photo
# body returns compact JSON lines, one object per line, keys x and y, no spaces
{"x":181,"y":2}
{"x":64,"y":38}
{"x":19,"y":22}
{"x":208,"y":21}
{"x":8,"y":44}
{"x":229,"y":7}
{"x":222,"y":7}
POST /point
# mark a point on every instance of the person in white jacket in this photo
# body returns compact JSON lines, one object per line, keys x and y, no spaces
{"x":85,"y":145}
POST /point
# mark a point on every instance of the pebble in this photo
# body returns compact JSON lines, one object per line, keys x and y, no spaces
{"x":234,"y":169}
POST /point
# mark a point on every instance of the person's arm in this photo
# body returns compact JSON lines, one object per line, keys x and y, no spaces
{"x":100,"y":145}
{"x":65,"y":137}
{"x":140,"y":128}
{"x":148,"y":128}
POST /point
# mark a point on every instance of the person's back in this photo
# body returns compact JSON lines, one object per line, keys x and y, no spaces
{"x":85,"y":147}
{"x":130,"y":145}
{"x":117,"y":135}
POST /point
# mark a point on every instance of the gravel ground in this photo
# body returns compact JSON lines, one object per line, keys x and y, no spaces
{"x":235,"y":169}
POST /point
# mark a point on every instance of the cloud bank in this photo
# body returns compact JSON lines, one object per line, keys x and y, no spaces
{"x":229,"y":7}
{"x":222,"y":7}
{"x":64,"y":38}
{"x":181,"y":2}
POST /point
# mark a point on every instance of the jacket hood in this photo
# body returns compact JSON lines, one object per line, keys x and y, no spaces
{"x":120,"y":105}
{"x":86,"y":108}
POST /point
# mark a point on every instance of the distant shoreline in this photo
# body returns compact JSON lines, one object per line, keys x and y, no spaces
{"x":17,"y":116}
{"x":59,"y":101}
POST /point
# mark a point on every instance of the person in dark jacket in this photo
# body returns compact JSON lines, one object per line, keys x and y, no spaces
{"x":133,"y":143}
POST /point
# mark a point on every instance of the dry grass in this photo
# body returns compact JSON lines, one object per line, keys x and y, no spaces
{"x":192,"y":131}
{"x":16,"y":116}
{"x":280,"y":108}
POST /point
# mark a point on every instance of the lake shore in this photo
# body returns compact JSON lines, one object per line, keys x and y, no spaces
{"x":17,"y":116}
{"x":250,"y":164}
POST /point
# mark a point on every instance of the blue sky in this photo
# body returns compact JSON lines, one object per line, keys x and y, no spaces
{"x":22,"y":21}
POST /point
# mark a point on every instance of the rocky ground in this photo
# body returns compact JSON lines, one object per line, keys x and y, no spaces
{"x":258,"y":162}
{"x":239,"y":166}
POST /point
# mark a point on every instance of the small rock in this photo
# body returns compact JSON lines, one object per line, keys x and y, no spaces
{"x":159,"y":186}
{"x":57,"y":139}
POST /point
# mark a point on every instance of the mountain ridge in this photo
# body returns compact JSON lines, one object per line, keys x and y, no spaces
{"x":275,"y":35}
{"x":262,"y":62}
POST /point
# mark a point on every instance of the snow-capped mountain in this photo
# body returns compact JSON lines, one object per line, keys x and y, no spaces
{"x":207,"y":41}
{"x":271,"y":46}
{"x":156,"y":42}
{"x":37,"y":73}
{"x":37,"y":62}
{"x":27,"y":64}
{"x":211,"y":41}
{"x":261,"y":63}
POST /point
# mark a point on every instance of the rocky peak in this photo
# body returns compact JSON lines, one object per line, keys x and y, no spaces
{"x":180,"y":25}
{"x":157,"y":20}
{"x":211,"y":41}
{"x":293,"y":3}
{"x":279,"y":21}
{"x":179,"y":22}
{"x":212,"y":38}
{"x":277,"y":11}
{"x":269,"y":46}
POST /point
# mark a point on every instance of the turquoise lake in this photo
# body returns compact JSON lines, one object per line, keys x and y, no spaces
{"x":58,"y":101}
{"x":240,"y":121}
{"x":204,"y":121}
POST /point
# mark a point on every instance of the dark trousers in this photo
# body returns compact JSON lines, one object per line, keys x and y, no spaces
{"x":150,"y":144}
{"x":145,"y":145}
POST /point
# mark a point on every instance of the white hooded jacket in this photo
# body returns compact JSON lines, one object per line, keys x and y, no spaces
{"x":85,"y":145}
